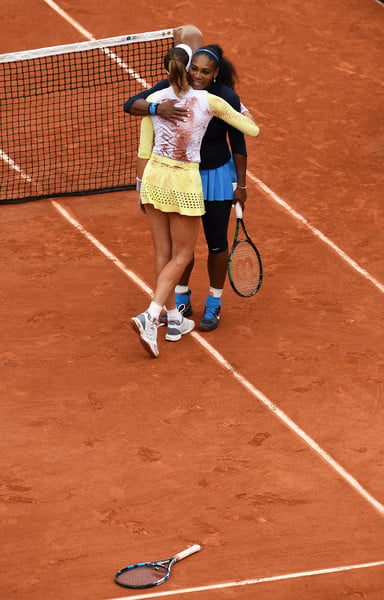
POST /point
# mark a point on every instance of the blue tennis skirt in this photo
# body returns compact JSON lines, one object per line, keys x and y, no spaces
{"x":217,"y":183}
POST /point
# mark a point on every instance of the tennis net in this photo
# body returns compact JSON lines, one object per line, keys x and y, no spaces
{"x":63,"y":130}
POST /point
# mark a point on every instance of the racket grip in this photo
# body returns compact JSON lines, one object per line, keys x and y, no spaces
{"x":188,"y":552}
{"x":238,"y":209}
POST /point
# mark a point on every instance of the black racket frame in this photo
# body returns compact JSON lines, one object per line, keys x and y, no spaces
{"x":236,"y":242}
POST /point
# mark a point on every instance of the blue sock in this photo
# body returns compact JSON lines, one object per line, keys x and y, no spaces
{"x":211,"y":301}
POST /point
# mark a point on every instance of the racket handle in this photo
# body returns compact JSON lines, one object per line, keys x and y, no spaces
{"x":188,"y":552}
{"x":238,"y":209}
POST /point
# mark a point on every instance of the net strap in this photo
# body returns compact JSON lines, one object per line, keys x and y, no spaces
{"x":90,"y":45}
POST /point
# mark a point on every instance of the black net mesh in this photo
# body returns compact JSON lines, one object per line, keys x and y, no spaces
{"x":63,"y":130}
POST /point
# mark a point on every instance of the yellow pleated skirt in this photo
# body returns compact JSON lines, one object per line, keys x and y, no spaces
{"x":173,"y":186}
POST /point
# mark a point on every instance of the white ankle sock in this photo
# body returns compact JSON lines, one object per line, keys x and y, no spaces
{"x":215,"y":292}
{"x":181,"y":289}
{"x":154,"y":310}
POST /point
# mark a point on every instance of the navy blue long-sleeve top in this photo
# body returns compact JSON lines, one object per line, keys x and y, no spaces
{"x":215,"y":150}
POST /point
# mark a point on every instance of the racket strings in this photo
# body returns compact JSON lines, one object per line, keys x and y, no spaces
{"x":142,"y":575}
{"x":245,"y":268}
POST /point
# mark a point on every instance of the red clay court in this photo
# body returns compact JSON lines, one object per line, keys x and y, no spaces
{"x":261,"y":441}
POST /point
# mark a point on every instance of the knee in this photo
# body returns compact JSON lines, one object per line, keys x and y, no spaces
{"x":186,"y":257}
{"x":218,"y":247}
{"x":163,"y":257}
{"x":183,"y":258}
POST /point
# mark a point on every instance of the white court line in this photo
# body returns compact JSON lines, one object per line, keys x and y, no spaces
{"x":112,"y":55}
{"x":7,"y":159}
{"x":232,"y":584}
{"x":83,"y":32}
{"x":69,"y":19}
{"x":139,"y":282}
{"x":316,"y":232}
{"x":240,"y":378}
{"x":90,"y":37}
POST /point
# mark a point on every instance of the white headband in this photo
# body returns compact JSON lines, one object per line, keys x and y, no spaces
{"x":188,"y":50}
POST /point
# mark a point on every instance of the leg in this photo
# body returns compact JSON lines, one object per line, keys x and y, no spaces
{"x":183,"y":293}
{"x":216,"y":235}
{"x":174,"y":240}
{"x":215,"y":222}
{"x":217,"y":268}
{"x":184,"y":231}
{"x":184,"y":279}
{"x":145,"y":324}
{"x":159,"y":224}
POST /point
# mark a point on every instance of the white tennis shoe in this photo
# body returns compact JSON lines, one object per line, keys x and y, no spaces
{"x":147,"y":330}
{"x":176,"y":329}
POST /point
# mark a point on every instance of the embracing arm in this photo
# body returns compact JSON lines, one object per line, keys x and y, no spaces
{"x":240,"y":192}
{"x":144,"y":152}
{"x":138,"y":105}
{"x":221,"y":109}
{"x":239,"y":155}
{"x":188,"y":34}
{"x":146,"y":138}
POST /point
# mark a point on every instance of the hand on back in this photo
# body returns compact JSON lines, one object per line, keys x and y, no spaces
{"x":168,"y":110}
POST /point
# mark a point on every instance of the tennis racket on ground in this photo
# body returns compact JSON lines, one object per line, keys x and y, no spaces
{"x":245,"y":268}
{"x":150,"y":574}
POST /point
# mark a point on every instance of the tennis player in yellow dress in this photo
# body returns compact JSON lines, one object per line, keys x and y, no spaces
{"x":171,"y":191}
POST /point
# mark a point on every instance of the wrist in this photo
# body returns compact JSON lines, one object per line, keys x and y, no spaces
{"x":152,"y":108}
{"x":138,"y":184}
{"x":241,"y":187}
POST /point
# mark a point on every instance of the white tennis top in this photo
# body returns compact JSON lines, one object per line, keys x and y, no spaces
{"x":182,"y":140}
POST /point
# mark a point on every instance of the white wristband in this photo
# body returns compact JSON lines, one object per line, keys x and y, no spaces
{"x":138,"y":184}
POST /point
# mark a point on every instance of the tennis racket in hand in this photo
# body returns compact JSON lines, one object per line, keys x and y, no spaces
{"x":245,"y":268}
{"x":150,"y":574}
